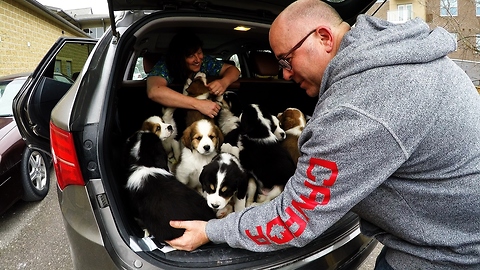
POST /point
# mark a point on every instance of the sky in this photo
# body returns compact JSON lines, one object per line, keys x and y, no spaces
{"x":98,"y":6}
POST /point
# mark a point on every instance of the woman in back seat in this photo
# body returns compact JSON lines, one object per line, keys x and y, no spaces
{"x":184,"y":59}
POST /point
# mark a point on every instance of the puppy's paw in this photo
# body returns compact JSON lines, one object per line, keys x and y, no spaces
{"x":261,"y":198}
{"x":221,"y":213}
{"x":255,"y":204}
{"x":228,"y":148}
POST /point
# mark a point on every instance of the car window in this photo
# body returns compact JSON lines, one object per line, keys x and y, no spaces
{"x":62,"y":78}
{"x":69,"y":61}
{"x":9,"y":91}
{"x":234,"y":58}
{"x":139,"y":71}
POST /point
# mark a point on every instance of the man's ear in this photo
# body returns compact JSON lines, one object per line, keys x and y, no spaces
{"x":326,"y":36}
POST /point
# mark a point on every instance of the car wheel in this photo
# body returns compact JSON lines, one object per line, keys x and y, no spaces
{"x":35,"y":175}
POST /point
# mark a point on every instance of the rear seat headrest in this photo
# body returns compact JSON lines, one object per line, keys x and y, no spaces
{"x":264,"y":63}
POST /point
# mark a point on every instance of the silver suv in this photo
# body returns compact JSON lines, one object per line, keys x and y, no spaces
{"x":108,"y":102}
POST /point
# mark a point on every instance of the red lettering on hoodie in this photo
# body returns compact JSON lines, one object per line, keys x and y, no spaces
{"x":282,"y":231}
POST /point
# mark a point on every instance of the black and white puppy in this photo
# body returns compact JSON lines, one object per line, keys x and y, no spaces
{"x":229,"y":122}
{"x":155,"y":195}
{"x":261,"y":153}
{"x":223,"y":181}
{"x":229,"y":115}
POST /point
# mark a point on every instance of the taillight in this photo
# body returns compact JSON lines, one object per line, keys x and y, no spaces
{"x":65,"y":161}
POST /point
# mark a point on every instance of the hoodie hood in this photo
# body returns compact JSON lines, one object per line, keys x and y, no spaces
{"x":374,"y":42}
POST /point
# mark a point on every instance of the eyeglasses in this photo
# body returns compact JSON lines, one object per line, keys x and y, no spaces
{"x":283,"y":62}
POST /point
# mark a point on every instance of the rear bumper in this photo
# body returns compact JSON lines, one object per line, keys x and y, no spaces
{"x":86,"y":244}
{"x":89,"y":250}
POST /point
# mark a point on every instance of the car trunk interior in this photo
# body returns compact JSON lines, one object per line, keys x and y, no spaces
{"x":132,"y":107}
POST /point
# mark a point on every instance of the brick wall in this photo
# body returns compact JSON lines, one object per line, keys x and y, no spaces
{"x":25,"y":37}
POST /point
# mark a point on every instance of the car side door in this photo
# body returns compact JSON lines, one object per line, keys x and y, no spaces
{"x":52,"y":78}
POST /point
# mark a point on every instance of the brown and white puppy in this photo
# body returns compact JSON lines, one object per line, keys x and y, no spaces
{"x":166,"y":130}
{"x":172,"y":143}
{"x":156,"y":125}
{"x":293,"y":121}
{"x":202,"y":141}
{"x":198,"y":89}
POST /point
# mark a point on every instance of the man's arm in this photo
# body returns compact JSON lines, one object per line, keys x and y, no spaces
{"x":194,"y":236}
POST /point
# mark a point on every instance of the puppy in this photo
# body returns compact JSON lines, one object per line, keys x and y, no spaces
{"x":182,"y":118}
{"x":171,"y":144}
{"x":223,"y":181}
{"x":155,"y":195}
{"x":293,"y":121}
{"x":197,"y":88}
{"x":229,"y":122}
{"x":229,"y":115}
{"x":261,"y":153}
{"x":164,"y":127}
{"x":202,"y":141}
{"x":200,"y":92}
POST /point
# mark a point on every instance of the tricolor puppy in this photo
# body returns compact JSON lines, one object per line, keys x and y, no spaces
{"x":261,"y":153}
{"x":202,"y":141}
{"x":229,"y":122}
{"x":223,"y":181}
{"x":293,"y":121}
{"x":157,"y":126}
{"x":229,"y":115}
{"x":155,"y":195}
{"x":164,"y":127}
{"x":198,"y":89}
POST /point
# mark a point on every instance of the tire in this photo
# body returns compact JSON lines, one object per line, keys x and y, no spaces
{"x":35,"y":175}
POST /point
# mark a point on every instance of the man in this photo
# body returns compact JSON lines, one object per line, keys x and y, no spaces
{"x":395,"y":138}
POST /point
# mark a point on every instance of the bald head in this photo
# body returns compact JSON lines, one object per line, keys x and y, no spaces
{"x":306,"y":32}
{"x":307,"y":14}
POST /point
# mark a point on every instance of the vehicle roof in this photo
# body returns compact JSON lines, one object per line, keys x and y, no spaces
{"x":348,"y":9}
{"x":14,"y":76}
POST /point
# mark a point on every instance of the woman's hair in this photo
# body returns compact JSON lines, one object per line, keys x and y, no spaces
{"x":182,"y":45}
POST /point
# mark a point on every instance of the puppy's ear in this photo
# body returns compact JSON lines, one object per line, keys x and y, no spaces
{"x":147,"y":126}
{"x":186,"y":137}
{"x":242,"y":185}
{"x":279,"y":116}
{"x":219,"y":136}
{"x":203,"y":176}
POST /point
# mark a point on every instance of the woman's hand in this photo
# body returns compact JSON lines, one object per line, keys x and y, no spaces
{"x":217,"y":87}
{"x":207,"y":107}
{"x":229,"y":74}
{"x":193,"y":237}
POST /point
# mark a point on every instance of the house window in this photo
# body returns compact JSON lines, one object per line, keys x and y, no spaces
{"x":405,"y":12}
{"x":477,"y":42}
{"x":448,"y":8}
{"x":477,"y":6}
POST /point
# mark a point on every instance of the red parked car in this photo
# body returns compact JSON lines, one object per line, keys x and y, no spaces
{"x":24,"y":172}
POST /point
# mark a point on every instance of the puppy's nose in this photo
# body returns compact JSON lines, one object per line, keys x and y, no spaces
{"x":169,"y":128}
{"x":215,"y":206}
{"x":206,"y":147}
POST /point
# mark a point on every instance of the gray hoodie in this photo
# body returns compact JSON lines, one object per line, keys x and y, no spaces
{"x":395,"y":138}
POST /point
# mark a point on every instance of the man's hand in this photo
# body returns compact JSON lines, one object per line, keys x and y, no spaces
{"x":193,"y":237}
